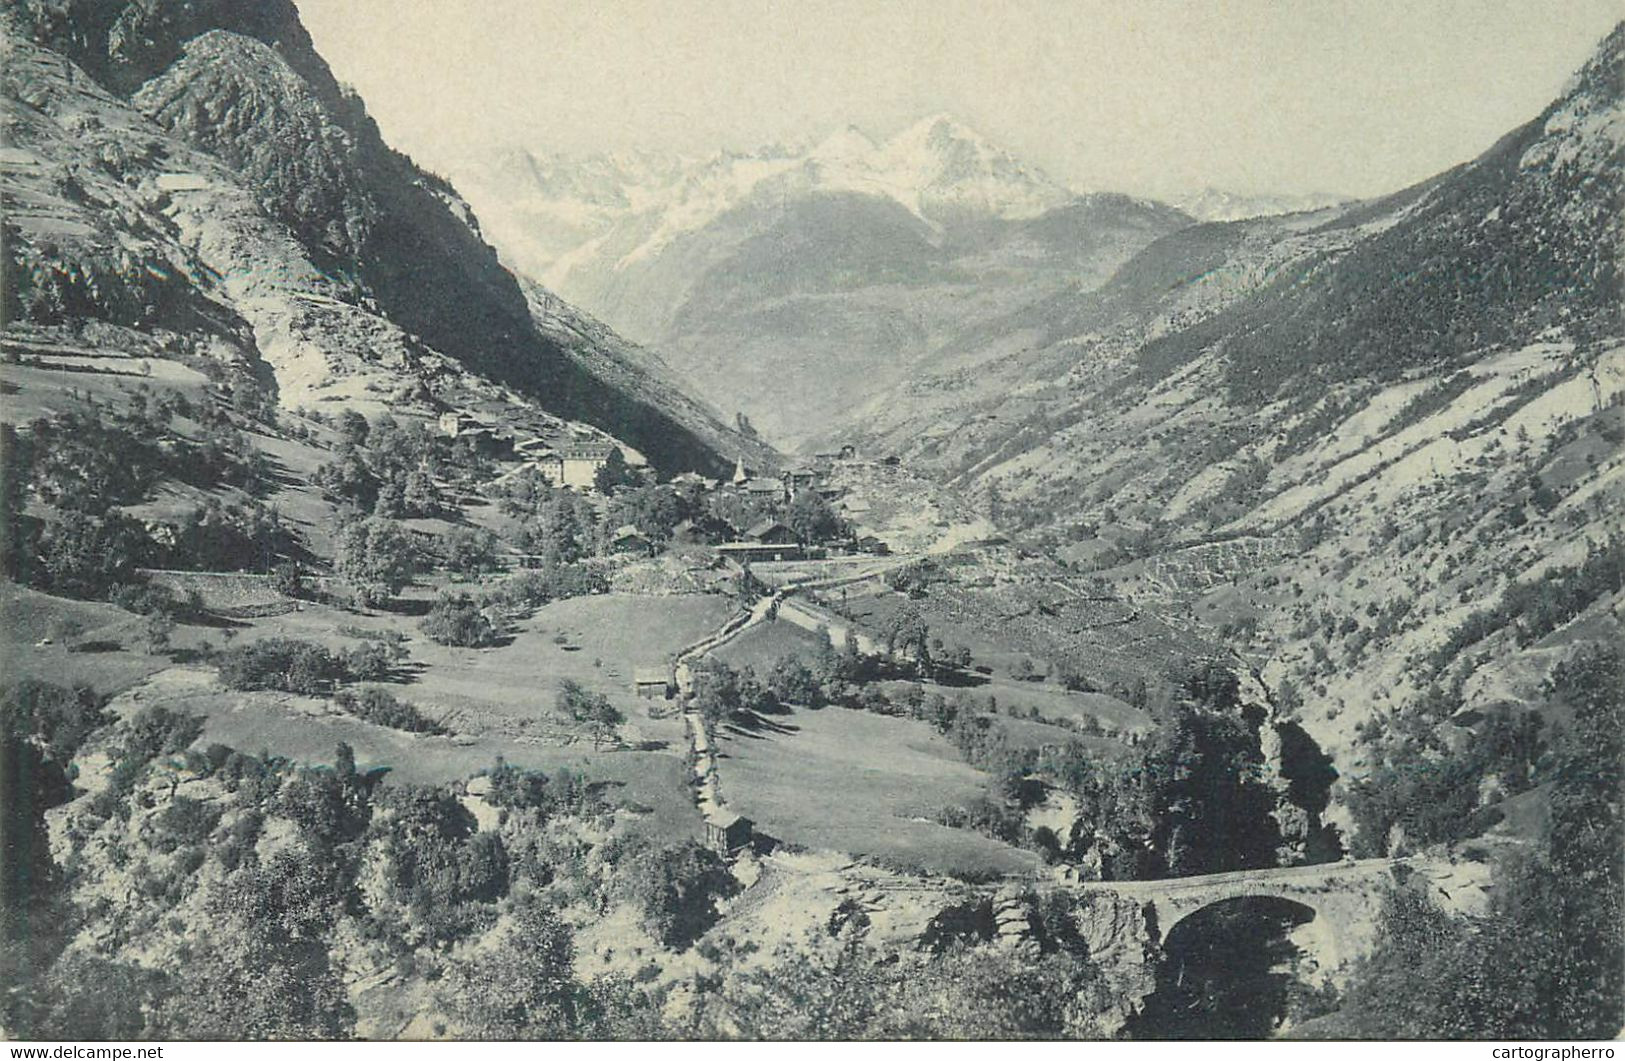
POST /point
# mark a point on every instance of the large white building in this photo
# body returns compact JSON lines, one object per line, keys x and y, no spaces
{"x":574,"y":463}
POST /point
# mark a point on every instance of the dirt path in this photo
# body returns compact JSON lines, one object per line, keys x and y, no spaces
{"x":709,"y":794}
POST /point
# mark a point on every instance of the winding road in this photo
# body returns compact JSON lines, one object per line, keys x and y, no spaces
{"x":709,"y":793}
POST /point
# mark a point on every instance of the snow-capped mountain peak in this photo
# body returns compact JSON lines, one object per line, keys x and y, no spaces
{"x":549,"y":211}
{"x":844,"y":145}
{"x":939,"y":134}
{"x":944,"y":165}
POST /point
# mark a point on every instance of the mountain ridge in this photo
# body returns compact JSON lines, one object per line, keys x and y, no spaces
{"x":791,"y":283}
{"x":693,"y":190}
{"x":393,"y":241}
{"x":1380,"y":395}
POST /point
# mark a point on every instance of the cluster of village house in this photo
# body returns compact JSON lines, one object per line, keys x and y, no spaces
{"x":769,"y":539}
{"x":575,"y":463}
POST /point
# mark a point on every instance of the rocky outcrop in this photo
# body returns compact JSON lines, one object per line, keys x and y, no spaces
{"x":1122,"y":943}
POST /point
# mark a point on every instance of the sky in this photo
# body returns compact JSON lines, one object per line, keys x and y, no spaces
{"x":1152,"y":97}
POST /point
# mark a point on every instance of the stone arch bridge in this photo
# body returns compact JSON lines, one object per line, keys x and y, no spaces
{"x":1340,"y":901}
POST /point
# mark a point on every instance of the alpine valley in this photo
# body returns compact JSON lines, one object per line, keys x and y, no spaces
{"x":863,"y":589}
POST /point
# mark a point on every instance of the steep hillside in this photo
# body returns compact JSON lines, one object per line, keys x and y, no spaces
{"x":1523,"y":239}
{"x":1408,"y":410}
{"x":1518,"y":245}
{"x":232,"y":97}
{"x":791,"y":284}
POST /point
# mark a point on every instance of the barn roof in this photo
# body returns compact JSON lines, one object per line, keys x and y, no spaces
{"x":762,"y":528}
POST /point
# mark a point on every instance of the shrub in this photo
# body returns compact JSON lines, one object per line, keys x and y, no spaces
{"x":559,"y":792}
{"x":378,"y":557}
{"x":592,"y":708}
{"x":986,"y":816}
{"x":523,"y":985}
{"x":676,"y":889}
{"x":156,"y":730}
{"x":151,"y":732}
{"x":380,"y":707}
{"x":469,"y":551}
{"x":370,"y":662}
{"x":57,"y":717}
{"x":216,"y":537}
{"x":279,"y":663}
{"x":361,"y":633}
{"x":82,"y":556}
{"x":288,"y":579}
{"x":436,"y":861}
{"x":720,"y":692}
{"x":791,"y":682}
{"x":184,"y":822}
{"x":151,"y":599}
{"x":458,"y":620}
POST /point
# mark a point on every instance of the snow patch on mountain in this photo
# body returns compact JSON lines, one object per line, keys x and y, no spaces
{"x":1216,"y":204}
{"x":549,"y":214}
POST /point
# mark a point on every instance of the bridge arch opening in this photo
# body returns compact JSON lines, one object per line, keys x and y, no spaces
{"x":1229,"y":970}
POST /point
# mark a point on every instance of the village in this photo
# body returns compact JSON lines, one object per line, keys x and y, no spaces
{"x":483,"y":560}
{"x":747,"y":512}
{"x":538,"y":554}
{"x":744,"y":528}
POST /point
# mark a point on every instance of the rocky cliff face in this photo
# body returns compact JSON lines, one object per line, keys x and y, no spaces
{"x":355,"y":251}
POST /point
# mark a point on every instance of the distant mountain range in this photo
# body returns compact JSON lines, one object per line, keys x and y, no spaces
{"x":541,"y":207}
{"x":1383,"y":392}
{"x":1517,"y":246}
{"x":1216,"y":204}
{"x":790,"y":283}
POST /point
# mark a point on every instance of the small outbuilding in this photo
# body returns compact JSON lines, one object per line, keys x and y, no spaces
{"x":629,"y":540}
{"x":726,"y":832}
{"x":652,"y":683}
{"x":455,"y":422}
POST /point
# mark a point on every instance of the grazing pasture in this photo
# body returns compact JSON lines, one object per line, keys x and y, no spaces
{"x":497,"y":702}
{"x":1013,"y":634}
{"x":763,"y":645}
{"x":1057,"y":704}
{"x":50,"y":385}
{"x":861,"y":783}
{"x":88,"y":641}
{"x":651,"y":786}
{"x":509,"y":690}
